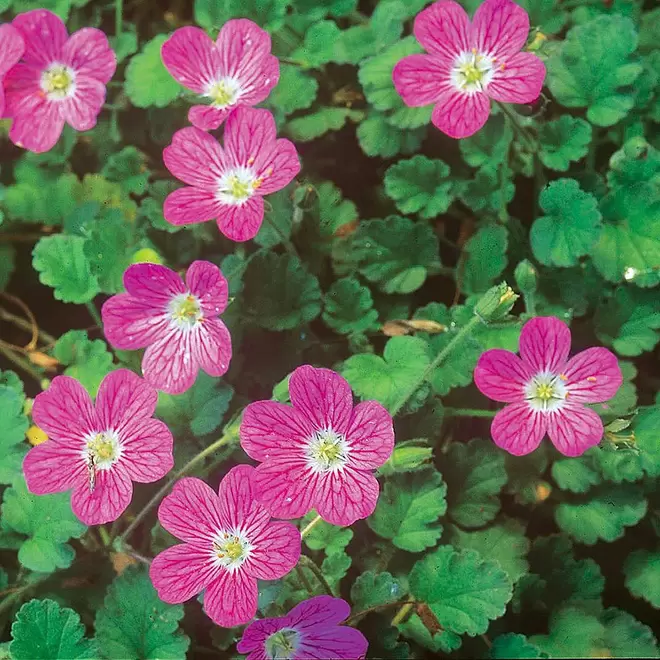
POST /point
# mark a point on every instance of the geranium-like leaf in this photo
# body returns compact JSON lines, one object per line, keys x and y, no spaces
{"x":349,"y":307}
{"x":512,"y":646}
{"x":563,"y":141}
{"x":371,"y":589}
{"x":642,"y":571}
{"x":13,"y":424}
{"x":484,"y":258}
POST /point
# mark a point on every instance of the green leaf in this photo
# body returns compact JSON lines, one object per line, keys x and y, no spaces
{"x":372,"y":589}
{"x":349,"y":307}
{"x":512,"y":646}
{"x":385,"y":378}
{"x":573,"y":634}
{"x":490,"y":145}
{"x":128,"y":167}
{"x":278,"y":294}
{"x":212,"y":15}
{"x":504,"y":543}
{"x":377,"y":137}
{"x":642,"y":571}
{"x":13,"y":424}
{"x":484,"y":258}
{"x":88,"y":361}
{"x":334,"y":568}
{"x":62,"y":264}
{"x":604,"y":516}
{"x":575,"y":474}
{"x":47,"y":521}
{"x":637,"y":161}
{"x":45,"y":630}
{"x":312,"y":126}
{"x":464,"y":591}
{"x":570,"y":227}
{"x":124,"y":44}
{"x":444,"y":641}
{"x":134,"y":624}
{"x":277,"y":224}
{"x":296,"y":90}
{"x":408,"y":510}
{"x":593,"y":66}
{"x":319,"y":46}
{"x":563,"y":141}
{"x":148,"y":82}
{"x":420,"y":185}
{"x":625,"y":637}
{"x":546,"y":15}
{"x":475,"y":475}
{"x":490,"y":188}
{"x":324,"y":536}
{"x":646,"y":425}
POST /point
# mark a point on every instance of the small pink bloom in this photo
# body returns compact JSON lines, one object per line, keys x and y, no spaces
{"x":310,"y":630}
{"x":98,"y":451}
{"x":12,"y":47}
{"x":228,"y":183}
{"x":320,"y":453}
{"x":229,"y":544}
{"x":177,"y":322}
{"x":546,"y":390}
{"x":236,"y":70}
{"x":61,"y":79}
{"x":469,"y":63}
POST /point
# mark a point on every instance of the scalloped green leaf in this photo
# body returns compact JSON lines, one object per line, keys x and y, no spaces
{"x":372,"y":589}
{"x":642,"y":572}
{"x":349,"y":307}
{"x":564,"y":141}
{"x":13,"y":424}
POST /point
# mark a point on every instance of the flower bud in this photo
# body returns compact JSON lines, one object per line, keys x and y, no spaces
{"x":148,"y":256}
{"x":496,"y":303}
{"x":407,"y":458}
{"x":526,"y":277}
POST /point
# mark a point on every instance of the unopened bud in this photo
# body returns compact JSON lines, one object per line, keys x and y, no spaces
{"x":147,"y":256}
{"x":526,"y":277}
{"x":407,"y":458}
{"x":496,"y":303}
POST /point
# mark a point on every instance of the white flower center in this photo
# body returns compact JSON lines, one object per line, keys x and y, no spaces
{"x":327,"y":451}
{"x":185,"y":311}
{"x":472,"y":71}
{"x":237,"y":185}
{"x":58,"y":82}
{"x":546,"y":392}
{"x":282,"y":645}
{"x":100,"y":452}
{"x":224,"y":92}
{"x":231,"y":549}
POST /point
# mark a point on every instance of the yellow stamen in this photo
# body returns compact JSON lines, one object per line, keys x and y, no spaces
{"x":592,"y":379}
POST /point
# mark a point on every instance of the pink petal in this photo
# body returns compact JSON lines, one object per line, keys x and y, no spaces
{"x":460,"y":115}
{"x":65,"y":411}
{"x":276,"y":551}
{"x":443,"y":29}
{"x":191,"y":58}
{"x":12,"y":47}
{"x":544,"y":344}
{"x":196,"y":158}
{"x":182,"y":571}
{"x":206,"y":281}
{"x":269,"y":426}
{"x":207,"y":117}
{"x":211,"y":347}
{"x":130,"y":323}
{"x":318,"y":612}
{"x":110,"y":498}
{"x":420,"y":79}
{"x":258,"y":79}
{"x":502,"y":375}
{"x":82,"y":109}
{"x":499,"y":28}
{"x":153,"y":283}
{"x":54,"y":467}
{"x":323,"y":396}
{"x":278,"y":167}
{"x":89,"y":54}
{"x":37,"y":126}
{"x":241,"y":223}
{"x":345,"y":496}
{"x":248,"y":134}
{"x":254,"y":637}
{"x":593,"y":376}
{"x":2,"y":101}
{"x":124,"y":399}
{"x":574,"y":428}
{"x":23,"y":89}
{"x":370,"y":436}
{"x":147,"y":451}
{"x":192,"y":512}
{"x":520,"y":81}
{"x":242,"y":46}
{"x":518,"y":429}
{"x":167,"y":364}
{"x":238,"y":508}
{"x":44,"y":34}
{"x":341,"y":643}
{"x":231,"y":599}
{"x":188,"y":205}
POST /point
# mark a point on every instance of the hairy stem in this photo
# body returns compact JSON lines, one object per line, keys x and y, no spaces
{"x":469,"y":412}
{"x":358,"y":615}
{"x":94,"y":313}
{"x":402,"y":613}
{"x":308,"y":528}
{"x":306,"y":562}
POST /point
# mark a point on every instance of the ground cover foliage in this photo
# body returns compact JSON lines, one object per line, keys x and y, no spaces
{"x":371,"y":262}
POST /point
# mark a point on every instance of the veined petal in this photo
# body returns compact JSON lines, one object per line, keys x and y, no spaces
{"x":254,"y":637}
{"x":593,"y":376}
{"x":211,"y":347}
{"x":196,"y":158}
{"x":88,"y":53}
{"x":111,"y":496}
{"x":320,"y":611}
{"x":44,"y":34}
{"x":500,"y":28}
{"x":277,"y":167}
{"x":458,"y":114}
{"x":545,"y":342}
{"x":153,"y":283}
{"x":12,"y":47}
{"x":573,"y":429}
{"x":238,"y":508}
{"x":242,"y":46}
{"x":502,"y":375}
{"x":82,"y":108}
{"x":37,"y":123}
{"x":258,"y":79}
{"x":276,"y":551}
{"x":231,"y":599}
{"x":147,"y":450}
{"x":340,"y":643}
{"x":22,"y":88}
{"x":206,"y":281}
{"x":188,"y":205}
{"x":168,"y":363}
{"x":420,"y":79}
{"x":207,"y":117}
{"x":241,"y":222}
{"x":54,"y":467}
{"x":192,"y":58}
{"x":518,"y":428}
{"x":370,"y":436}
{"x":347,"y":495}
{"x":130,"y":323}
{"x":248,"y":132}
{"x":443,"y":29}
{"x":520,"y":80}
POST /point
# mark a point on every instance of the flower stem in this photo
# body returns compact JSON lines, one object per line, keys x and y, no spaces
{"x":306,"y":562}
{"x":469,"y":412}
{"x":518,"y":127}
{"x":119,"y":16}
{"x":358,"y":615}
{"x":282,"y":236}
{"x":21,"y":363}
{"x":105,"y":537}
{"x":402,"y":613}
{"x":25,"y":325}
{"x":440,"y":358}
{"x":308,"y":528}
{"x":94,"y":313}
{"x":195,"y":460}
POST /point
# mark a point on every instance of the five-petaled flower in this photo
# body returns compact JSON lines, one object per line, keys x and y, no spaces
{"x":61,"y":79}
{"x":177,"y":322}
{"x":228,"y":183}
{"x":469,"y":63}
{"x":321,"y":452}
{"x":98,"y":451}
{"x":546,"y":390}
{"x":12,"y":47}
{"x":237,"y":70}
{"x":229,"y":544}
{"x":310,"y":630}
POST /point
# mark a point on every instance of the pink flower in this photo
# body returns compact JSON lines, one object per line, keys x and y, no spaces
{"x":61,"y":79}
{"x":320,"y":453}
{"x":11,"y":51}
{"x":236,"y":70}
{"x":98,"y":451}
{"x":547,"y":390}
{"x":230,"y":543}
{"x":228,"y":184}
{"x":310,"y":630}
{"x":469,"y":63}
{"x":177,"y":322}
